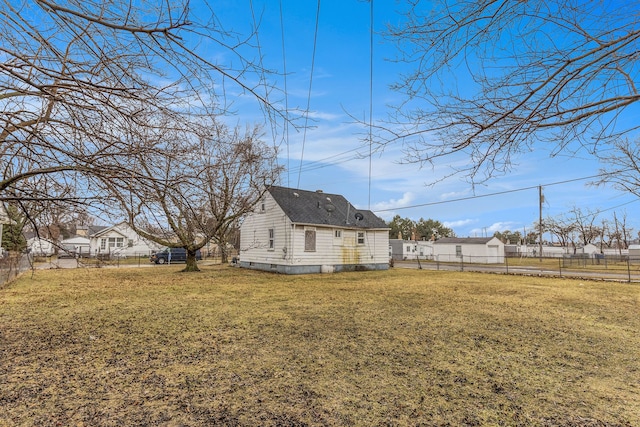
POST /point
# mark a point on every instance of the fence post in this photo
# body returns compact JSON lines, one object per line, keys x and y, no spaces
{"x":560,"y":265}
{"x":629,"y":268}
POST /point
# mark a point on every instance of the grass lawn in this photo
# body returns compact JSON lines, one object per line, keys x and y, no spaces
{"x":231,"y":347}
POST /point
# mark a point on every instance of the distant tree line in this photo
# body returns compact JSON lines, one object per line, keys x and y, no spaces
{"x":577,"y":228}
{"x":423,"y":229}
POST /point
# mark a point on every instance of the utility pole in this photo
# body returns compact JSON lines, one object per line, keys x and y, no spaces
{"x":541,"y":200}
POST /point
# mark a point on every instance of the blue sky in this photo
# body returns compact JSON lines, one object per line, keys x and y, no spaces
{"x":335,"y":157}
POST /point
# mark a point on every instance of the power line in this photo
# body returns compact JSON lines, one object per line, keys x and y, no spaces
{"x":286,"y":92}
{"x":370,"y":94}
{"x":461,"y":199}
{"x":306,"y":116}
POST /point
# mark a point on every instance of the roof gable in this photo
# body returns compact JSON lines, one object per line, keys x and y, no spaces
{"x":316,"y":207}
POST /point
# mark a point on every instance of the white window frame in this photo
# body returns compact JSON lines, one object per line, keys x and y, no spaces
{"x":272,"y":239}
{"x":361,"y":238}
{"x":337,"y":236}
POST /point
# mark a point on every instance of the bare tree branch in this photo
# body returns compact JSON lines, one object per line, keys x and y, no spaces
{"x":494,"y":79}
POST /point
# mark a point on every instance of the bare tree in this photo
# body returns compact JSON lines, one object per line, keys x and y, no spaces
{"x":560,"y":228}
{"x":585,"y":225}
{"x":195,"y":185}
{"x":623,"y":166}
{"x":73,"y":74}
{"x":492,"y":79}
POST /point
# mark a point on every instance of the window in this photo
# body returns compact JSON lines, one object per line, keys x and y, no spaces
{"x":458,"y":250}
{"x":112,"y":242}
{"x":337,"y":237}
{"x":408,"y":248}
{"x":361,"y":237}
{"x":263,"y":206}
{"x":272,"y":239}
{"x":310,"y":240}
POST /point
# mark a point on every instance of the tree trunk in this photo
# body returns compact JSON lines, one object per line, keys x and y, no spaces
{"x":192,"y":263}
{"x":224,"y":257}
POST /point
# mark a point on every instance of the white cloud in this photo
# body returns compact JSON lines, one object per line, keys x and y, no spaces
{"x":459,"y":223}
{"x":406,"y":200}
{"x":496,"y":226}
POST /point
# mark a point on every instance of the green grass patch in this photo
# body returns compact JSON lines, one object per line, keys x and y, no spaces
{"x":227,"y":346}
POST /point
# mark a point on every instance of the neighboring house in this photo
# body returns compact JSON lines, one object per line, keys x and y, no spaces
{"x":296,"y":231}
{"x":589,"y":249}
{"x":401,"y":250}
{"x":488,"y":250}
{"x":634,"y":254}
{"x":74,"y":246}
{"x":120,"y":240}
{"x":40,"y":247}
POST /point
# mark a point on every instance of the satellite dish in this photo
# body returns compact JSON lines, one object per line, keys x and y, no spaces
{"x":359,"y":216}
{"x":329,"y":207}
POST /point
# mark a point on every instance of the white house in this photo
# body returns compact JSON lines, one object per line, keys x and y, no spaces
{"x":120,"y":240}
{"x":487,"y":250}
{"x":634,"y":254}
{"x":296,"y":231}
{"x":75,"y":246}
{"x":400,"y":249}
{"x":40,"y":247}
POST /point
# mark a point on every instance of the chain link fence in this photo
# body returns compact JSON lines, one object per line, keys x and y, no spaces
{"x":11,"y":265}
{"x":110,"y":260}
{"x":604,"y":267}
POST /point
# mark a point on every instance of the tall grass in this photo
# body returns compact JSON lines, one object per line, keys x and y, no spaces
{"x":234,"y":347}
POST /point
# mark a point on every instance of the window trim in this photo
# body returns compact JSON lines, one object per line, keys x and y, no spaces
{"x":271,"y":235}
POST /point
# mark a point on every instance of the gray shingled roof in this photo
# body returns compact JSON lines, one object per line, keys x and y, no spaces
{"x":314,"y":207}
{"x":467,"y":240}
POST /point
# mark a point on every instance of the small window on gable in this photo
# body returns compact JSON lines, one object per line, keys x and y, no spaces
{"x":272,"y":239}
{"x":263,"y":206}
{"x":310,"y":240}
{"x":361,"y":236}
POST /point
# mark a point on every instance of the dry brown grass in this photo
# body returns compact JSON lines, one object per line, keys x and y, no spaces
{"x":151,"y":346}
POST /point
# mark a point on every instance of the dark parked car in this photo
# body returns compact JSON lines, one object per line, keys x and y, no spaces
{"x":172,"y":255}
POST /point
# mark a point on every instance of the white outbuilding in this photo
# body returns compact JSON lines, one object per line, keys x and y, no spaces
{"x":484,"y":250}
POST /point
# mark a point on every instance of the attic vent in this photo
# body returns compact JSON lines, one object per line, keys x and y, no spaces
{"x":319,"y":191}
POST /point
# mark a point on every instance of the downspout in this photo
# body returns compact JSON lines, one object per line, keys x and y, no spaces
{"x":293,"y":241}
